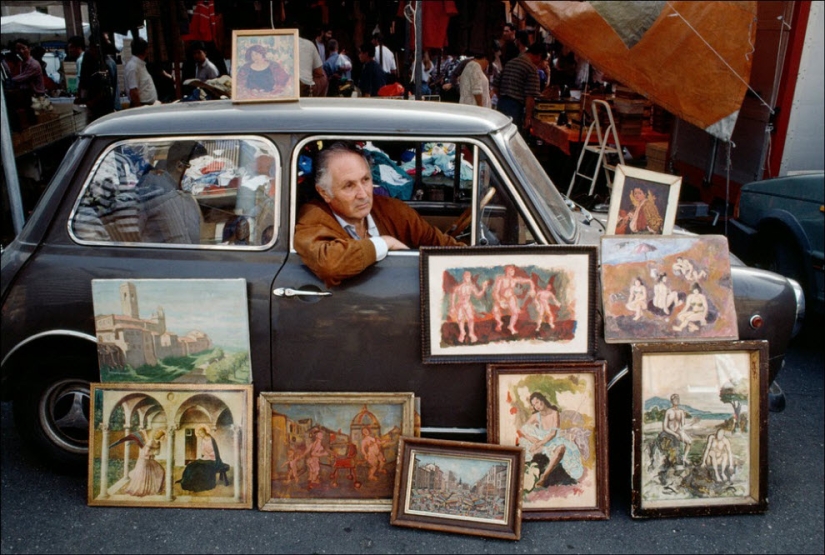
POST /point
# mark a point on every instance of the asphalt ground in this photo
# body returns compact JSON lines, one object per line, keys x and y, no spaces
{"x":46,"y":512}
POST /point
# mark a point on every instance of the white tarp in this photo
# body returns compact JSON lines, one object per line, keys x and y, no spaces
{"x":35,"y":23}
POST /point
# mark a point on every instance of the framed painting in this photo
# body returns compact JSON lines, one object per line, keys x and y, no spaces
{"x":330,"y":451}
{"x":171,"y":445}
{"x":643,"y":202}
{"x":557,"y":414}
{"x":676,"y":288}
{"x":176,"y":340}
{"x":265,"y":65}
{"x":458,"y":486}
{"x":507,"y":304}
{"x":700,"y":417}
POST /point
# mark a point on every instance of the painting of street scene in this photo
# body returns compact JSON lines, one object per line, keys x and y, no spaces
{"x":509,"y":304}
{"x":667,"y":289}
{"x":171,"y":445}
{"x":158,"y":330}
{"x":461,"y":488}
{"x":699,"y":428}
{"x":334,"y":447}
{"x":554,"y":414}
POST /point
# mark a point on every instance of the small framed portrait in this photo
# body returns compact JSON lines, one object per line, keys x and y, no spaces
{"x":171,"y":445}
{"x":676,"y":288}
{"x":458,"y":486}
{"x":643,"y":202}
{"x":507,"y":304}
{"x":265,"y":65}
{"x":700,"y":428}
{"x":557,"y":414}
{"x":330,"y":451}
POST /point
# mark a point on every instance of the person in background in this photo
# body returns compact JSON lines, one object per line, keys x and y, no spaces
{"x":322,"y":37}
{"x":138,"y":82}
{"x":385,"y":58}
{"x":313,"y":79}
{"x":37,"y":53}
{"x":338,"y":68}
{"x":509,"y":49}
{"x":519,"y":86}
{"x":474,"y":87}
{"x":97,"y":85}
{"x":372,"y":77}
{"x":29,"y":77}
{"x":204,"y":69}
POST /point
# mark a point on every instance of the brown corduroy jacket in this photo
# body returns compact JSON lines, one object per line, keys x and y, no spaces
{"x":329,"y":251}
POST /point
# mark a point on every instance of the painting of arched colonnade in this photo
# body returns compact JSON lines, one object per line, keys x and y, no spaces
{"x":163,"y":445}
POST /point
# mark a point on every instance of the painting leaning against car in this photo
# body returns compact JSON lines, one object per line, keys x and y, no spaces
{"x":178,"y":342}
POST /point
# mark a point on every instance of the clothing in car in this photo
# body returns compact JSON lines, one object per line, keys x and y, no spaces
{"x":333,"y":255}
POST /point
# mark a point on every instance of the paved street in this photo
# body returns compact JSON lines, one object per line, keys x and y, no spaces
{"x":44,"y":512}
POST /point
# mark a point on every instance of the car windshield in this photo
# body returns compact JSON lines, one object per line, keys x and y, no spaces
{"x":543,"y":192}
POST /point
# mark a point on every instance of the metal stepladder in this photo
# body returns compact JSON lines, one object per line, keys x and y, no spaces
{"x":601,"y":149}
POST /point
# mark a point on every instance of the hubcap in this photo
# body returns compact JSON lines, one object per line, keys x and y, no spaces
{"x":64,"y":414}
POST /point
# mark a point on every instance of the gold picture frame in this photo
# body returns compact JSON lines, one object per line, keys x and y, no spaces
{"x":566,"y":404}
{"x":700,"y":438}
{"x":643,"y":202}
{"x":458,"y":486}
{"x":202,"y":431}
{"x":330,"y":451}
{"x":265,"y":65}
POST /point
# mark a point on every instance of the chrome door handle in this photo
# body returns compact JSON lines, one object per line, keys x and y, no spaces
{"x":290,"y":292}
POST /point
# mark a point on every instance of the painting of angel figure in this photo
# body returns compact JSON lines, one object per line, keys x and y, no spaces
{"x":556,"y":412}
{"x":507,"y":303}
{"x":643,"y":202}
{"x":699,"y":442}
{"x":176,"y":340}
{"x":675,"y":288}
{"x":171,"y":445}
{"x":330,"y":451}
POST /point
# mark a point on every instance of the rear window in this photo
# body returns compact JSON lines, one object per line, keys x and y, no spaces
{"x":188,"y":192}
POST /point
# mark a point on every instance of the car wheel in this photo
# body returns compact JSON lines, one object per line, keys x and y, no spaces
{"x":52,"y":417}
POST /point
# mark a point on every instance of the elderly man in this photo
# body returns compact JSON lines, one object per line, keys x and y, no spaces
{"x":350,"y":230}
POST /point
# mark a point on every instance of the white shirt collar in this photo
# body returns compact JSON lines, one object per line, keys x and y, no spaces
{"x":372,"y":229}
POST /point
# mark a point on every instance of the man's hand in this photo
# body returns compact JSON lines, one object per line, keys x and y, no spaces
{"x":394,"y":244}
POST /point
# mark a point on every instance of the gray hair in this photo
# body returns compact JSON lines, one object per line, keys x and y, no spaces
{"x":322,"y":162}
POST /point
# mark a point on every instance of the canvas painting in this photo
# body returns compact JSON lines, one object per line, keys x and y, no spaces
{"x":557,"y":413}
{"x":265,"y":65}
{"x":700,"y":418}
{"x":676,"y":288}
{"x":171,"y":445}
{"x":157,"y":331}
{"x":507,"y":303}
{"x":330,"y":451}
{"x":458,"y":486}
{"x":643,"y":202}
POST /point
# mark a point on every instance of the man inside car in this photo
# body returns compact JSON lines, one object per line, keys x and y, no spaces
{"x":349,"y":230}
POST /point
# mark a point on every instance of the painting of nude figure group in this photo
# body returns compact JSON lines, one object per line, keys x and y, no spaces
{"x":698,"y":439}
{"x":509,"y":303}
{"x":667,"y":289}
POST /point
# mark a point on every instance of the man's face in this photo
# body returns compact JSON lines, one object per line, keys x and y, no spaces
{"x":351,"y":179}
{"x":22,"y":51}
{"x":508,"y":34}
{"x":199,"y":56}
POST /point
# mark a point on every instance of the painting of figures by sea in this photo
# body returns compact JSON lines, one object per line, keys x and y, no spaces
{"x":671,"y":288}
{"x":169,"y":330}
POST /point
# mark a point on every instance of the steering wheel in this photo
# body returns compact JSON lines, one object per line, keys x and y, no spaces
{"x":461,"y":223}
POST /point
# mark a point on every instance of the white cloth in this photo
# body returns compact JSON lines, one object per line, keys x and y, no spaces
{"x":309,"y":58}
{"x":206,"y":71}
{"x":136,"y":76}
{"x":385,"y":58}
{"x":473,"y":81}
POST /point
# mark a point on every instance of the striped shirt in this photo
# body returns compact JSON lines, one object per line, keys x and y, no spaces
{"x":519,"y":79}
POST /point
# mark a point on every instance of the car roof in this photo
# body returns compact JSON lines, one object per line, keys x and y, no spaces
{"x":307,"y":115}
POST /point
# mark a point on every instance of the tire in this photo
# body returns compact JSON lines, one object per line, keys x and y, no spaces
{"x":52,"y":416}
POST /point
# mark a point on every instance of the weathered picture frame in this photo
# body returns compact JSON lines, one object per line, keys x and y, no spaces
{"x":700,"y":438}
{"x":558,"y":414}
{"x":507,"y":304}
{"x":265,"y":65}
{"x":202,"y":431}
{"x":676,"y":288}
{"x":460,"y":487}
{"x":333,"y":452}
{"x":643,"y":202}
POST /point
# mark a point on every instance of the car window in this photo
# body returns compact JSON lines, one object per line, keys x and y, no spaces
{"x":473,"y":203}
{"x":181,"y":192}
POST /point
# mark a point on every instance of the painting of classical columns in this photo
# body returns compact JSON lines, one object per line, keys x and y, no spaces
{"x":171,"y":445}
